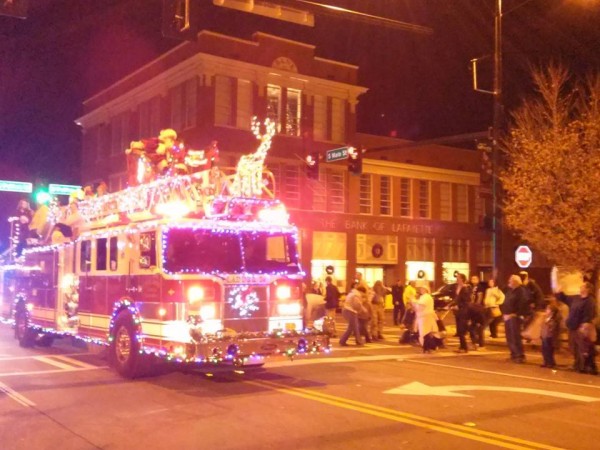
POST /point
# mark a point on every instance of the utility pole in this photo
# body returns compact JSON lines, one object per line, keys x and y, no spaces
{"x":496,"y":130}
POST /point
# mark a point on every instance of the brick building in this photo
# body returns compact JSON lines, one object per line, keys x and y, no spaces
{"x":414,"y":212}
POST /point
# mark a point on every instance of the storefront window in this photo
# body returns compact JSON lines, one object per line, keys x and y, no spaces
{"x":274,"y":104}
{"x":293,"y":112}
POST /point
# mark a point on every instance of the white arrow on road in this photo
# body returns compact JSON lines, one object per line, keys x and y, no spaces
{"x":416,"y":388}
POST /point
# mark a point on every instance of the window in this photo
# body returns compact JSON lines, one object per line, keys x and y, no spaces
{"x":119,"y":133}
{"x":320,"y":193}
{"x":85,"y":256}
{"x":291,"y":186}
{"x":104,"y":141}
{"x":455,"y":250}
{"x":293,"y":109}
{"x":338,"y":120}
{"x":335,"y":191}
{"x":90,"y":141}
{"x":424,"y":200}
{"x":385,"y":195}
{"x":405,"y":196}
{"x":114,"y":253}
{"x":462,"y":203}
{"x":150,"y":122}
{"x":365,"y":197}
{"x":101,"y":254}
{"x":485,"y":253}
{"x":147,"y":250}
{"x":420,"y":249}
{"x":184,"y":104}
{"x":445,"y":201}
{"x":244,"y":104}
{"x":224,"y":100}
{"x":274,"y":104}
{"x":320,"y":117}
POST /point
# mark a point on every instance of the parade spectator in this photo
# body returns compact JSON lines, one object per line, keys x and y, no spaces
{"x":477,"y":290}
{"x":352,"y":306}
{"x":535,"y":296}
{"x":365,"y":316}
{"x":494,"y":297}
{"x":101,"y":189}
{"x":514,"y":308}
{"x":332,"y":300}
{"x":398,"y":301}
{"x":410,"y":294}
{"x":581,"y":328}
{"x":550,"y":333}
{"x":426,"y":317}
{"x":378,"y":309}
{"x":461,"y":300}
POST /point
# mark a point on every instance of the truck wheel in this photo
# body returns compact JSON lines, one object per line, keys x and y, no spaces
{"x":23,"y":332}
{"x":125,"y":349}
{"x":45,"y":340}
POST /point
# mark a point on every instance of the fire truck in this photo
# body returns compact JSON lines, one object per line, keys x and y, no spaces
{"x":173,"y":269}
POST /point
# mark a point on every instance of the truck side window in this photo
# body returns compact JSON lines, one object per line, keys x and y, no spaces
{"x":147,"y":250}
{"x":101,"y":254}
{"x":85,"y":256}
{"x":114,"y":253}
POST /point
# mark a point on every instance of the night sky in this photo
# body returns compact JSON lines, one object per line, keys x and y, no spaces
{"x":419,"y":86}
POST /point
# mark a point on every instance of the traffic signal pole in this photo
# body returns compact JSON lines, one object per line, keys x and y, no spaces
{"x":496,"y":127}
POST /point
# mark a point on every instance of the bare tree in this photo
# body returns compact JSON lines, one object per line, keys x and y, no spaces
{"x":552,"y":176}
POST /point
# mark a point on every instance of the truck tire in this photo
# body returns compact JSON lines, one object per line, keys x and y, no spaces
{"x":23,"y":332}
{"x":125,"y":349}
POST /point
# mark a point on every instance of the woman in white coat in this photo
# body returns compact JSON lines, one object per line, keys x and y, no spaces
{"x":426,"y":317}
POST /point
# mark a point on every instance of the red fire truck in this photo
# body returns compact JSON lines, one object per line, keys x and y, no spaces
{"x":167,"y":269}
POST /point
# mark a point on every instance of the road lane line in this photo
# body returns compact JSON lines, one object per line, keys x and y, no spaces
{"x":16,"y":396}
{"x":49,"y":371}
{"x":73,"y":362}
{"x":14,"y":358}
{"x":408,"y":418}
{"x":525,"y":377}
{"x":52,"y":362}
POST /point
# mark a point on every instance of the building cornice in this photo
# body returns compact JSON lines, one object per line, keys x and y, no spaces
{"x":210,"y":65}
{"x":418,"y":172}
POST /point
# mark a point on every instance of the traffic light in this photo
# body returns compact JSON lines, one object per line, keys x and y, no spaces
{"x":42,"y":196}
{"x":14,"y":8}
{"x":354,"y":160}
{"x":312,"y":165}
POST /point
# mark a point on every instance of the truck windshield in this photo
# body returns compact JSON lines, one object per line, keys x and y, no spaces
{"x":209,"y":251}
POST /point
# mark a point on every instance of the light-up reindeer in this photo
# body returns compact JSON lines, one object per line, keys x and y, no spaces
{"x":248,"y":178}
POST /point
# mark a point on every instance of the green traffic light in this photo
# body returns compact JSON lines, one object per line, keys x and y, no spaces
{"x":42,"y":197}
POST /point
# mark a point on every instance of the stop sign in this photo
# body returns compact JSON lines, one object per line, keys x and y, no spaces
{"x":523,"y":256}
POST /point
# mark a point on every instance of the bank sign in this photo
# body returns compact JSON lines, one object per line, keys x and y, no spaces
{"x":336,"y":154}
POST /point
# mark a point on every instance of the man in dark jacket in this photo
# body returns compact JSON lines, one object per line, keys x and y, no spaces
{"x":514,"y":308}
{"x":534,"y":292}
{"x":332,"y":302}
{"x":461,"y":299}
{"x":581,"y":311}
{"x":399,"y":308}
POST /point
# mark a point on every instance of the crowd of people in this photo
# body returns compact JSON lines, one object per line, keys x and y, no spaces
{"x":477,"y":307}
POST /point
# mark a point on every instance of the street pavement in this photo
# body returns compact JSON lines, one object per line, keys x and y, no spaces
{"x":381,"y":396}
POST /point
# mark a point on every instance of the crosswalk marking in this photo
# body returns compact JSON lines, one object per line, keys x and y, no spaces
{"x":16,"y":396}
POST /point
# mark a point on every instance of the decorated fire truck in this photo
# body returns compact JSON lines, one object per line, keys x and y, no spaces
{"x":200,"y":267}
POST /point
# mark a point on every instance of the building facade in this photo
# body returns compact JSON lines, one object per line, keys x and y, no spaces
{"x":414,"y":212}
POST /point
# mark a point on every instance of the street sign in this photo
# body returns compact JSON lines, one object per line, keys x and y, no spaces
{"x":61,"y":189}
{"x":523,"y":256}
{"x":336,"y":154}
{"x":16,"y":186}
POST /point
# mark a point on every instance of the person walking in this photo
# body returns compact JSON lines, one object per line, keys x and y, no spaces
{"x":550,"y":334}
{"x":399,"y":308}
{"x":461,"y":300}
{"x":514,"y":308}
{"x":580,"y":325}
{"x":332,"y":302}
{"x":494,"y":297}
{"x":378,"y":309}
{"x":352,"y":306}
{"x":364,"y":316}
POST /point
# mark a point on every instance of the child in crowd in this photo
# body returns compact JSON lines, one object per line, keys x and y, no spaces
{"x":550,"y":333}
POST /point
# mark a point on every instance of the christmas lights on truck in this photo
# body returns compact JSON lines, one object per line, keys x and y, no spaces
{"x":189,"y":264}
